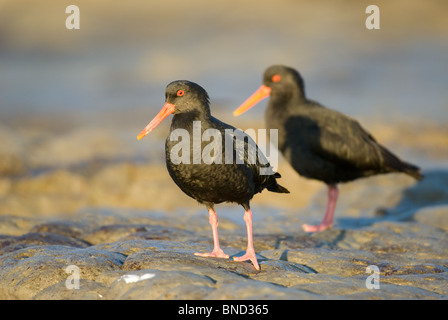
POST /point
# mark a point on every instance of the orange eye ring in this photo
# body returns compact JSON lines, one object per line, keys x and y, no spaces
{"x":180,"y":93}
{"x":276,"y":78}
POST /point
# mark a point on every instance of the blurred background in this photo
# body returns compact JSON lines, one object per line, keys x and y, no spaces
{"x":73,"y":101}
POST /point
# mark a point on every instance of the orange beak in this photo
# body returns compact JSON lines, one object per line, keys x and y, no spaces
{"x":167,"y":109}
{"x":257,"y":96}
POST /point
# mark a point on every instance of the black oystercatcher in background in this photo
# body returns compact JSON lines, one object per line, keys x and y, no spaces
{"x":320,"y":143}
{"x":219,"y":181}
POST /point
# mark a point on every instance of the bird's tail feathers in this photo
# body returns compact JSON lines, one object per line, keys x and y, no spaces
{"x":278,"y":188}
{"x":398,"y":165}
{"x":412,"y":170}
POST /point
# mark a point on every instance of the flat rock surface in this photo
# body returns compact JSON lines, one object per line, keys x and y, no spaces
{"x":137,"y":259}
{"x":123,"y":230}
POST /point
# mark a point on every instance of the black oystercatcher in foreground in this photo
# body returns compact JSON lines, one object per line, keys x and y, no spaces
{"x":219,"y":180}
{"x":320,"y":143}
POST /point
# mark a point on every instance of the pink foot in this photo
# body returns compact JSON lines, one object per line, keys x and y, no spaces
{"x":319,"y":227}
{"x":249,"y":255}
{"x":214,"y":254}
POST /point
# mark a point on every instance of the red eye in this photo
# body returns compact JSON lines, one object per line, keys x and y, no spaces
{"x":180,"y":93}
{"x":276,"y":78}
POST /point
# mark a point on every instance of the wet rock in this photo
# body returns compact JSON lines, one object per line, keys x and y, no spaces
{"x":112,"y":233}
{"x":434,"y":216}
{"x":172,"y":260}
{"x":65,"y":228}
{"x":38,"y":238}
{"x":127,"y":254}
{"x":146,"y":262}
{"x":88,"y":290}
{"x":258,"y":290}
{"x":26,"y":272}
{"x":407,"y":242}
{"x":391,"y":292}
{"x":220,"y":270}
{"x":332,"y":286}
{"x":387,"y":269}
{"x":433,"y":283}
{"x":157,"y":284}
{"x":281,"y":265}
{"x":327,"y":261}
{"x":16,"y":225}
{"x":125,"y":247}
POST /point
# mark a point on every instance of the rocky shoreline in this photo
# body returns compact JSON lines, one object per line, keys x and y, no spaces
{"x":411,"y":257}
{"x":124,"y":230}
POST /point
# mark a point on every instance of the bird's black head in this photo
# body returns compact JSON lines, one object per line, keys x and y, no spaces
{"x":181,"y":97}
{"x":281,"y":83}
{"x":284,"y":80}
{"x":187,"y":96}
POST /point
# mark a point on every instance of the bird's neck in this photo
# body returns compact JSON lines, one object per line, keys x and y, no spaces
{"x":185,"y":120}
{"x":283,"y":100}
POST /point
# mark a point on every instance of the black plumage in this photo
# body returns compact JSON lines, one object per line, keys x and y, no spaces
{"x":219,"y":180}
{"x":318,"y":142}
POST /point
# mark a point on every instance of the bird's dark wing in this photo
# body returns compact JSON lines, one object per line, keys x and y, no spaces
{"x":343,"y":141}
{"x":246,"y":152}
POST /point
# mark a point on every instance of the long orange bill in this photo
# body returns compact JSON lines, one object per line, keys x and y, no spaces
{"x":167,"y":109}
{"x":257,"y":96}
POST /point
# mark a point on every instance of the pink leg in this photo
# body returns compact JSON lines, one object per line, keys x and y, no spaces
{"x":250,"y":252}
{"x":327,"y":222}
{"x":217,"y":251}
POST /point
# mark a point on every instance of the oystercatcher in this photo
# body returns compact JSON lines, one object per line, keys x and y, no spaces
{"x":218,"y":179}
{"x":318,"y":142}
